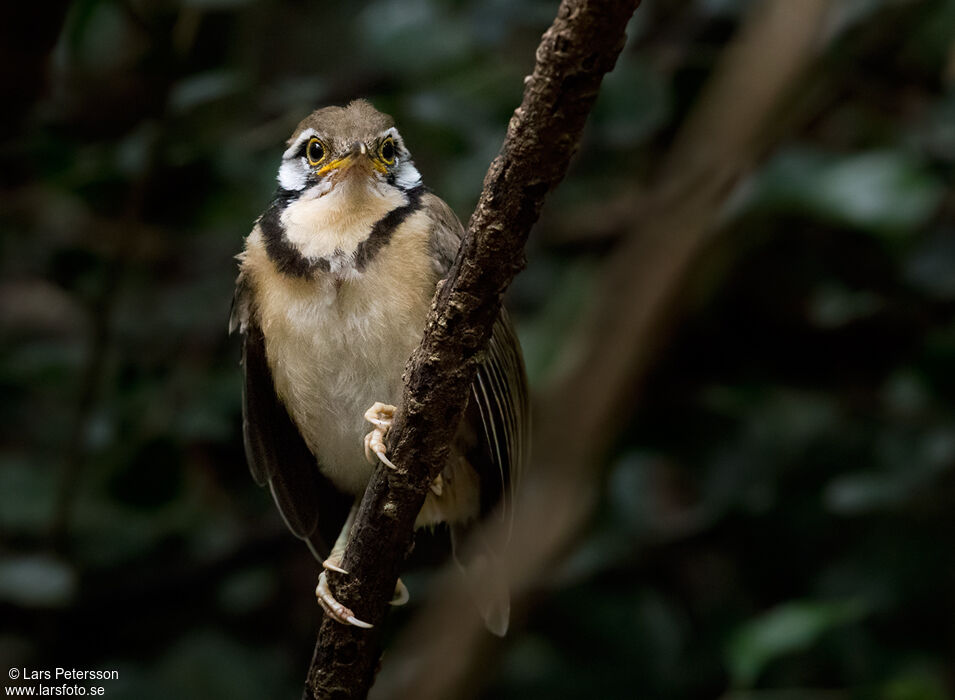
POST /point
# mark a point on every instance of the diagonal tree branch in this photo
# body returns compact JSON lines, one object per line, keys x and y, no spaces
{"x":638,"y":300}
{"x":577,"y":50}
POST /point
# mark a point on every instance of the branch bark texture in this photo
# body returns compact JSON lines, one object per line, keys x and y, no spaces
{"x":577,"y":50}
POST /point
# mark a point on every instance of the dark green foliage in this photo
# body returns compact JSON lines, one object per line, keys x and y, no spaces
{"x":777,"y":519}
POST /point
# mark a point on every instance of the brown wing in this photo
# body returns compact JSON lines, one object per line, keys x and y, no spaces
{"x":498,"y":409}
{"x":500,"y":403}
{"x":311,"y":506}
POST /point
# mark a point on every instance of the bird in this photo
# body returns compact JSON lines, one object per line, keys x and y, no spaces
{"x":334,"y":285}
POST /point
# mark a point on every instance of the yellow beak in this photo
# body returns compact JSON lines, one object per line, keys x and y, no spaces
{"x":357,"y":154}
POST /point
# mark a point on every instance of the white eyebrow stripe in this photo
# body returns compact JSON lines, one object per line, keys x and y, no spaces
{"x":293,"y":149}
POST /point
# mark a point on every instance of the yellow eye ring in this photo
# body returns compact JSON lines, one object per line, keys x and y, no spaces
{"x":387,"y":151}
{"x":315,"y":151}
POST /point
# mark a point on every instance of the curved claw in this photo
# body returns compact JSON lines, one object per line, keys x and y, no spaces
{"x":332,"y":565}
{"x":354,"y":621}
{"x":401,"y":594}
{"x":333,"y":608}
{"x":380,"y":452}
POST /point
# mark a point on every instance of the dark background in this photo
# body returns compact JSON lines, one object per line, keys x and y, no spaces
{"x":778,"y":520}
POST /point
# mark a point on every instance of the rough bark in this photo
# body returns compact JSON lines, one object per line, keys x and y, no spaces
{"x":577,"y":50}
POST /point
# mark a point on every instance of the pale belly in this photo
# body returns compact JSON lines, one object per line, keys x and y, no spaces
{"x":332,"y":356}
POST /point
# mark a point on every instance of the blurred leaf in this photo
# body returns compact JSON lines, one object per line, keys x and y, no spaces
{"x":905,"y":393}
{"x":863,"y":492}
{"x":26,"y":496}
{"x":833,"y":306}
{"x":907,"y":463}
{"x":917,"y":682}
{"x":929,"y":267}
{"x":787,"y":629}
{"x":37,"y":581}
{"x":414,"y":36}
{"x":132,"y":153}
{"x":105,"y":42}
{"x":203,"y":88}
{"x":886,"y":192}
{"x":299,"y":93}
{"x":630,"y":491}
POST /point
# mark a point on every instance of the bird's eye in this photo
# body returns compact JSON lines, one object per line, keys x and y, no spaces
{"x":387,"y":151}
{"x":315,"y":152}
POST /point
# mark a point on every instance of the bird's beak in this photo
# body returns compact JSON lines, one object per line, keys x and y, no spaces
{"x":357,"y":155}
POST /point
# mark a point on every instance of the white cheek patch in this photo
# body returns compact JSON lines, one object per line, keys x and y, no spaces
{"x":293,"y":174}
{"x":407,"y":175}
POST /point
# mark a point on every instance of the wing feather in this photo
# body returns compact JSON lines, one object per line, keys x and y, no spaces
{"x":312,"y":508}
{"x":499,"y":396}
{"x":498,"y":409}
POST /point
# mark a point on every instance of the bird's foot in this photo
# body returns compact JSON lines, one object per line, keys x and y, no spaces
{"x":331,"y":606}
{"x":379,"y":415}
{"x":338,"y":611}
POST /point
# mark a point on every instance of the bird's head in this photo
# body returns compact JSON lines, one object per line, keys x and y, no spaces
{"x":353,"y":147}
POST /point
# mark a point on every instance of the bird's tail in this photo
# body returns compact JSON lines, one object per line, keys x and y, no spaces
{"x":485,"y":577}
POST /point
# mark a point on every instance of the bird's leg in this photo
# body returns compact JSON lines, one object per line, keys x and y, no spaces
{"x":334,"y":560}
{"x":323,"y":593}
{"x":330,"y":605}
{"x":381,"y":416}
